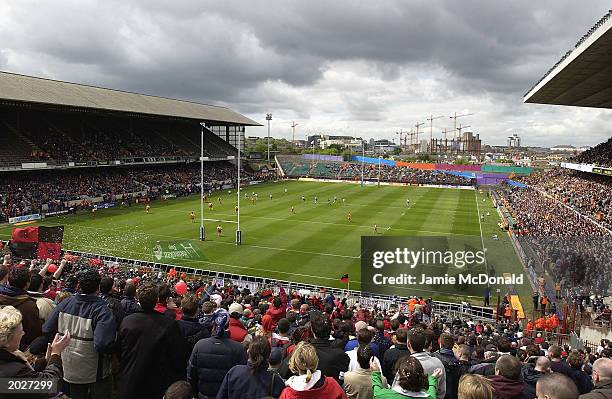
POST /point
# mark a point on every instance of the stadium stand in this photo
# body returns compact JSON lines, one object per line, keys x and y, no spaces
{"x":296,"y":166}
{"x":600,"y":155}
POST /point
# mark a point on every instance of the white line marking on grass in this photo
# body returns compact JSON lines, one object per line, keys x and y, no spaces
{"x":481,"y":237}
{"x":289,"y":250}
{"x":342,"y":224}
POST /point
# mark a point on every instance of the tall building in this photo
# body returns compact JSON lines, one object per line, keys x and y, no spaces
{"x":514,"y":141}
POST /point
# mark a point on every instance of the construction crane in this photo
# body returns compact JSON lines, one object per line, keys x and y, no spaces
{"x":431,"y":119}
{"x":293,"y":125}
{"x":403,"y":134}
{"x":416,"y":134}
{"x":455,"y":116}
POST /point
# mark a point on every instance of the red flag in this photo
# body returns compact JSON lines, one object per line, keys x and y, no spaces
{"x":344,"y":278}
{"x":52,"y":250}
{"x":25,"y":234}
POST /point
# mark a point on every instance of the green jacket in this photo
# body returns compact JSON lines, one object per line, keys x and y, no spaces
{"x":385,"y":393}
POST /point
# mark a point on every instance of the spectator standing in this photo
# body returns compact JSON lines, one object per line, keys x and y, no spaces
{"x":532,"y":375}
{"x":507,"y":382}
{"x":253,"y":380}
{"x":395,"y":352}
{"x":580,"y":378}
{"x":557,"y":386}
{"x":191,"y":329}
{"x":128,"y":302}
{"x":602,"y":380}
{"x":358,"y":382}
{"x":15,"y":294}
{"x":474,"y":386}
{"x":152,"y":350}
{"x":410,"y":381}
{"x":238,"y":332}
{"x":308,"y":381}
{"x":86,"y":362}
{"x":452,"y":367}
{"x":213,"y":357}
{"x":416,"y":341}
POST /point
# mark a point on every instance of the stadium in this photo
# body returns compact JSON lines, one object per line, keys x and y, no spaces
{"x":130,"y":223}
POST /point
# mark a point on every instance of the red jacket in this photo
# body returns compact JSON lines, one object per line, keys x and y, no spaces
{"x":237,"y":330}
{"x":161,"y":308}
{"x":276,"y":314}
{"x":330,"y":390}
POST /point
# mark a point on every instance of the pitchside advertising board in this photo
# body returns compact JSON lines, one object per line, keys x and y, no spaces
{"x":424,"y":265}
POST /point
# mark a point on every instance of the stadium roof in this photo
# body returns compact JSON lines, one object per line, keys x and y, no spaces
{"x":583,"y":77}
{"x":22,"y":88}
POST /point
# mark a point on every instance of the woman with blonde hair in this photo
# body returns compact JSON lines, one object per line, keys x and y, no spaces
{"x":308,"y":382}
{"x":474,"y":386}
{"x":13,"y":362}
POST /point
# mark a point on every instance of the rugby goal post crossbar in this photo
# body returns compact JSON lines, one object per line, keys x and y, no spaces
{"x":219,"y":220}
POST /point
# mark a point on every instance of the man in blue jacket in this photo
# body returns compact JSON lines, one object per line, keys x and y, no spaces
{"x":86,"y":360}
{"x":212,"y":358}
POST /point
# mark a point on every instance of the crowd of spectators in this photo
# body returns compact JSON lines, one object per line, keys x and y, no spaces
{"x":57,"y":190}
{"x":600,"y":155}
{"x":371,"y":172}
{"x":107,"y":330}
{"x":587,"y":193}
{"x":564,"y":217}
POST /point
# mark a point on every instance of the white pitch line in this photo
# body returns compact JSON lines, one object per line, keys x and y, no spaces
{"x":339,"y":224}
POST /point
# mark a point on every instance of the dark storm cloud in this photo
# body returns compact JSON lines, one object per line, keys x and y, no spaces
{"x":256,"y":56}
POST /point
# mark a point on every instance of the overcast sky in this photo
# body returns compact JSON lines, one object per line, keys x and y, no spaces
{"x":365,"y":68}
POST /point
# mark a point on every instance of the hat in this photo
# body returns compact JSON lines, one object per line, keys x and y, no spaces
{"x":221,"y":319}
{"x":235,"y":308}
{"x":360,"y":325}
{"x":491,"y":348}
{"x":276,"y":356}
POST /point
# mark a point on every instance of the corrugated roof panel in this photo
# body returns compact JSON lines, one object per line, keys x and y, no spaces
{"x":39,"y":90}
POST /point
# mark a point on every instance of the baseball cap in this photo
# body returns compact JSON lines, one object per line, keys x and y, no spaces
{"x":235,"y":308}
{"x":360,"y":325}
{"x":276,"y":356}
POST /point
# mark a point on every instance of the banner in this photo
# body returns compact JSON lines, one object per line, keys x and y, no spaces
{"x":40,"y":242}
{"x":104,"y":205}
{"x":516,"y":305}
{"x":25,"y":218}
{"x":602,"y":171}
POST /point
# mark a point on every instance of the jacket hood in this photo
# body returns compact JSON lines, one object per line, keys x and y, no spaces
{"x":11,"y":291}
{"x":506,"y":388}
{"x":531,"y":375}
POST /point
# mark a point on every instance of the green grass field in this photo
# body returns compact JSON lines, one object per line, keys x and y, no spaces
{"x":315,"y":245}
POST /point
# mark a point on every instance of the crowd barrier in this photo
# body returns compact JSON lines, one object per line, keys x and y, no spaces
{"x":253,"y":283}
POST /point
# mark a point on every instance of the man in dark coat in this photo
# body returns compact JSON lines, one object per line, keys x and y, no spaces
{"x":333,"y":362}
{"x":191,"y":329}
{"x":392,"y":354}
{"x":128,"y":302}
{"x":213,"y":357}
{"x":507,"y":382}
{"x":15,"y":294}
{"x":152,"y":350}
